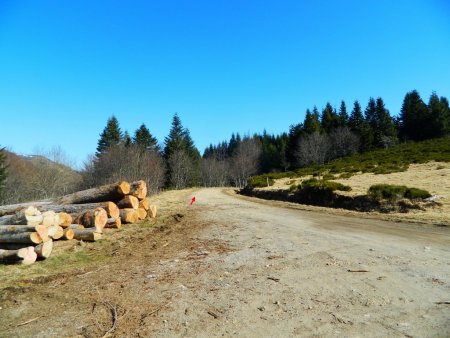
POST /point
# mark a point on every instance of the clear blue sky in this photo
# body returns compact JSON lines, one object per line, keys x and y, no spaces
{"x":224,"y":66}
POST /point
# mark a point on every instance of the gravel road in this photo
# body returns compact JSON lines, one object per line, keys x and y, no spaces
{"x":284,"y":273}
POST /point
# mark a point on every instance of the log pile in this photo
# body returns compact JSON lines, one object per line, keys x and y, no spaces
{"x":27,"y":230}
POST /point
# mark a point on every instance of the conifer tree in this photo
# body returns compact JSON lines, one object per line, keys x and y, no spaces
{"x":343,"y":115}
{"x":295,"y":133}
{"x":413,"y":117}
{"x":111,"y":135}
{"x":356,"y":118}
{"x":126,"y":140}
{"x":439,"y":117}
{"x":385,"y":134}
{"x":144,"y":139}
{"x":330,"y":119}
{"x":311,"y":123}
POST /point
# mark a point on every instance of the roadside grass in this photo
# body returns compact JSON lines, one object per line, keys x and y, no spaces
{"x":74,"y":257}
{"x":381,"y":161}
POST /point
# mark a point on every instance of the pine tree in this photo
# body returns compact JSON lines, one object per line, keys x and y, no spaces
{"x":413,"y":117}
{"x":356,"y":118}
{"x":126,"y":139}
{"x":111,"y":135}
{"x":180,"y":144}
{"x":3,"y":172}
{"x":439,"y":117}
{"x":311,"y":123}
{"x":295,"y":133}
{"x":385,"y":134}
{"x":330,"y":119}
{"x":144,"y":139}
{"x":343,"y":116}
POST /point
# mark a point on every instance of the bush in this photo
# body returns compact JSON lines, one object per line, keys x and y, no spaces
{"x":260,"y":181}
{"x":395,"y":192}
{"x":324,"y":185}
{"x":293,"y":187}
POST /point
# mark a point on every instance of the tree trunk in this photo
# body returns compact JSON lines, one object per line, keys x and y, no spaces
{"x":55,"y":231}
{"x":76,"y":227}
{"x":109,"y":192}
{"x":87,"y":235}
{"x":95,"y":219}
{"x":21,"y":237}
{"x":44,"y":250}
{"x":145,"y":203}
{"x":68,"y":233}
{"x":152,"y":211}
{"x":14,"y":208}
{"x":129,"y":215}
{"x":142,"y":213}
{"x":24,"y":256}
{"x":114,"y":223}
{"x":41,"y":230}
{"x":128,"y":201}
{"x":30,"y":216}
{"x":138,"y":189}
{"x":110,"y":207}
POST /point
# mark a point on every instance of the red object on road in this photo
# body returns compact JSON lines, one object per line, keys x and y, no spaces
{"x":192,"y":200}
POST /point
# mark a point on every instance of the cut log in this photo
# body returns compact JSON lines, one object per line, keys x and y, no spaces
{"x":30,"y":216}
{"x":68,"y":233}
{"x":129,"y":215}
{"x":64,"y":219}
{"x":11,"y":209}
{"x":76,"y":226}
{"x":50,"y":218}
{"x":23,"y":256}
{"x":110,"y":207}
{"x":145,"y":203}
{"x":87,"y":235}
{"x":55,"y":231}
{"x":138,"y":189}
{"x":13,"y":229}
{"x":95,"y":219}
{"x":114,"y":223}
{"x":152,"y":211}
{"x":21,"y":237}
{"x":110,"y":192}
{"x":44,"y":250}
{"x":142,"y":213}
{"x":128,"y":201}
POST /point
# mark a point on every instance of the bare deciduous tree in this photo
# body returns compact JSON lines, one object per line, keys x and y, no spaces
{"x":183,"y":170}
{"x":343,"y":142}
{"x":245,"y":162}
{"x":214,"y":172}
{"x":313,"y":149}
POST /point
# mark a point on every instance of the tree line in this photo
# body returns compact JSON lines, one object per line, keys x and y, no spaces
{"x":322,"y":136}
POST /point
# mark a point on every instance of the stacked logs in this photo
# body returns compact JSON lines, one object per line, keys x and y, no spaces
{"x":27,"y":231}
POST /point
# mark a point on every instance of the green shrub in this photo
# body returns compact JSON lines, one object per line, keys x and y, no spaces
{"x":325,"y":185}
{"x":328,"y":177}
{"x":260,"y":181}
{"x":394,"y":192}
{"x":346,"y":175}
{"x":293,"y":187}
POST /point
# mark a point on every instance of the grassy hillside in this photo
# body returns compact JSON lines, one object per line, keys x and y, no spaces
{"x":382,"y":161}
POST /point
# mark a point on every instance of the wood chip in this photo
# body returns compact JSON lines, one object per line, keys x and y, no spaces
{"x":446,"y":302}
{"x":213,"y":314}
{"x":28,"y":321}
{"x":362,"y":270}
{"x":274,"y":279}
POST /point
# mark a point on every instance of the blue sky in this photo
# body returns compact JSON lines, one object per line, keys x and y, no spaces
{"x":224,"y":66}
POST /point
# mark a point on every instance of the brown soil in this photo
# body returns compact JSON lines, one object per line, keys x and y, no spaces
{"x":230,"y":267}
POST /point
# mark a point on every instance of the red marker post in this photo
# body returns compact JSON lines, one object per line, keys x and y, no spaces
{"x":192,"y":200}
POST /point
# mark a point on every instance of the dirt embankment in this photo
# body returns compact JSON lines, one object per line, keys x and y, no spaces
{"x":230,"y":267}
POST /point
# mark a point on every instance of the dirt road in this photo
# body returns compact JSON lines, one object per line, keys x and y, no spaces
{"x":247,"y":269}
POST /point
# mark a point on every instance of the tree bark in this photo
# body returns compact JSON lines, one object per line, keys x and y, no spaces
{"x":14,"y":208}
{"x":110,"y":207}
{"x":128,"y":201}
{"x":41,"y":230}
{"x":76,"y":227}
{"x":44,"y":250}
{"x":109,"y":192}
{"x":114,"y":223}
{"x":138,"y":189}
{"x":30,"y":216}
{"x":87,"y":235}
{"x":23,"y":256}
{"x":129,"y":215}
{"x":92,"y":219}
{"x":21,"y":237}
